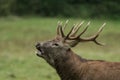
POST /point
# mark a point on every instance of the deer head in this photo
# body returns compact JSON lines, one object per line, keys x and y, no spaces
{"x":58,"y":48}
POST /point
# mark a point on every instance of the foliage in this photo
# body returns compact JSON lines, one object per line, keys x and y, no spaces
{"x":67,"y":8}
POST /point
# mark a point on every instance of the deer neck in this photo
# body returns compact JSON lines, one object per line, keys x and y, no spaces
{"x":69,"y":65}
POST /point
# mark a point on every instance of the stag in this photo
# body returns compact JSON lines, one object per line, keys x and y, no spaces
{"x":70,"y":66}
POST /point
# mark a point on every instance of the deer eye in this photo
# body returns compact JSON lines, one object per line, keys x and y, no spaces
{"x":55,"y":44}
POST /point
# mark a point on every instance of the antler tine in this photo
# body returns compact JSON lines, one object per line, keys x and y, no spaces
{"x":77,"y":27}
{"x":94,"y":37}
{"x":84,"y":29}
{"x":61,"y":30}
{"x":100,"y":29}
{"x":97,"y":34}
{"x":73,"y":31}
{"x":58,"y":29}
{"x":65,"y":24}
{"x":67,"y":37}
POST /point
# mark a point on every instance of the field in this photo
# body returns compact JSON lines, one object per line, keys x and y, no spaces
{"x":18,"y":36}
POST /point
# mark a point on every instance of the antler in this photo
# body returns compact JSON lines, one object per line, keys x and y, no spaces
{"x":74,"y":40}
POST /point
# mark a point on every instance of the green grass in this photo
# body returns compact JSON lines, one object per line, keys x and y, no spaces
{"x":19,"y":35}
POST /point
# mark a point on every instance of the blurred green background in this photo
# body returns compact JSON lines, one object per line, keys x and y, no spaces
{"x":25,"y":22}
{"x":65,"y":8}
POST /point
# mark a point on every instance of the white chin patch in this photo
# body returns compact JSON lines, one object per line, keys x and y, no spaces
{"x":38,"y":52}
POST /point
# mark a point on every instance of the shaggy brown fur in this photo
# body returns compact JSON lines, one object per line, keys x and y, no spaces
{"x":76,"y":68}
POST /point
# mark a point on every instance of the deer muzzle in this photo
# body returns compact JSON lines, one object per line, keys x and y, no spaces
{"x":40,"y":51}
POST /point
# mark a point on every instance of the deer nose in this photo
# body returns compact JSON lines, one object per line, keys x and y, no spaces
{"x":38,"y":45}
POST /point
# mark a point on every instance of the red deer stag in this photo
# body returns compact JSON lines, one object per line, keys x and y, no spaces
{"x":70,"y":66}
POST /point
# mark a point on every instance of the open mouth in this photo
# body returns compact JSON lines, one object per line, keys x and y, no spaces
{"x":40,"y":51}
